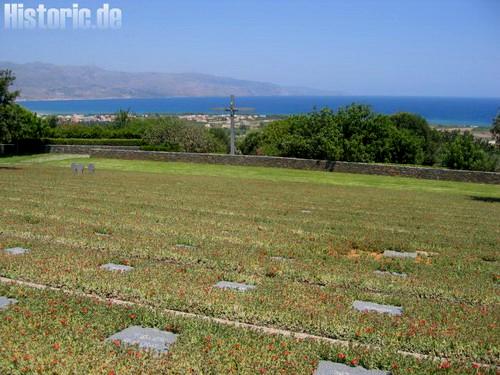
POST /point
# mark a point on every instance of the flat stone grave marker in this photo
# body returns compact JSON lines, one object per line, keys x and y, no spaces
{"x":6,"y":302}
{"x":17,"y":251}
{"x":376,"y":307}
{"x":184,"y":246}
{"x":236,"y":286}
{"x":331,"y":368}
{"x":117,"y":267}
{"x":388,"y":273}
{"x":281,"y":259}
{"x":146,"y":338}
{"x":399,"y":254}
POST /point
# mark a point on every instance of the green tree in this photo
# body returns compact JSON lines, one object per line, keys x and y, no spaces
{"x":464,"y":152}
{"x":367,"y":135}
{"x":174,"y":134}
{"x":251,"y":143}
{"x":16,"y":123}
{"x":315,"y":136}
{"x":222,"y":136}
{"x":495,"y":129}
{"x":122,"y":118}
{"x":418,"y":126}
{"x":7,"y":97}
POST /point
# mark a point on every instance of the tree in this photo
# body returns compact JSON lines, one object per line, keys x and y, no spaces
{"x":223,"y":136}
{"x":314,"y":136}
{"x":495,"y":129}
{"x":367,"y":136}
{"x":122,"y":118}
{"x":6,"y":80}
{"x":419,"y":127}
{"x":251,"y":143}
{"x":174,"y":134}
{"x":16,"y":123}
{"x":464,"y":152}
{"x":407,"y":148}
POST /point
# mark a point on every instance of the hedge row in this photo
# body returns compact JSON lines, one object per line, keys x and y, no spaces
{"x":100,"y":142}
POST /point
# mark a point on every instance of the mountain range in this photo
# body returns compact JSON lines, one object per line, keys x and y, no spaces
{"x":41,"y":81}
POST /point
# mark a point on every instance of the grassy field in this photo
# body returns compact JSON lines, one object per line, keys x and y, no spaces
{"x":331,"y":228}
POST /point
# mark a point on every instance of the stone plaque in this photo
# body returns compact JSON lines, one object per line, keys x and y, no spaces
{"x":146,"y":338}
{"x":236,"y":286}
{"x":399,"y":254}
{"x":6,"y":302}
{"x":17,"y":251}
{"x":332,"y":368}
{"x":117,"y":267}
{"x":375,"y":307}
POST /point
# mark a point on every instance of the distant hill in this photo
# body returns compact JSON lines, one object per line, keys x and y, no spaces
{"x":39,"y":81}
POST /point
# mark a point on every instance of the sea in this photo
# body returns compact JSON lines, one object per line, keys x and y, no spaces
{"x":444,"y":111}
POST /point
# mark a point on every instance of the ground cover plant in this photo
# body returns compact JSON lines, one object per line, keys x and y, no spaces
{"x":49,"y":332}
{"x":309,"y":241}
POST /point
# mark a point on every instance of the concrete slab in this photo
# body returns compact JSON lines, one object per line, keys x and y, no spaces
{"x":183,"y":246}
{"x":117,"y":267}
{"x":399,"y":254}
{"x":376,"y":307}
{"x":17,"y":251}
{"x":6,"y":302}
{"x":387,"y":273}
{"x":281,"y":259}
{"x":331,"y":368}
{"x":146,"y":338}
{"x":236,"y":286}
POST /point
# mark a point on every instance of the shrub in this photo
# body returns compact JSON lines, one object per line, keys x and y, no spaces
{"x":90,"y":141}
{"x":173,"y":134}
{"x":464,"y":152}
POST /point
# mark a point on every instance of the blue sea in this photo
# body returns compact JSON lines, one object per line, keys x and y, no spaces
{"x":437,"y":110}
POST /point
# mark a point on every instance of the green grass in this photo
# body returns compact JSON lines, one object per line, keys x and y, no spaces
{"x":240,"y":217}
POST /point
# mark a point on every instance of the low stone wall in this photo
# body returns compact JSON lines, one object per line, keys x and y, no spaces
{"x":7,"y":149}
{"x":133,"y":153}
{"x":84,"y":149}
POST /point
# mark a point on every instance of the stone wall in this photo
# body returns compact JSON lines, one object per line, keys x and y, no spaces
{"x":84,"y":149}
{"x":133,"y":153}
{"x":7,"y":149}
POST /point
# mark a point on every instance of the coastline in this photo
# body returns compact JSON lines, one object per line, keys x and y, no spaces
{"x":438,"y":111}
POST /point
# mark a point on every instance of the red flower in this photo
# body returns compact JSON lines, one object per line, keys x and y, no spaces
{"x":56,"y":346}
{"x":341,"y":356}
{"x":117,"y":343}
{"x":445,"y":365}
{"x":354,"y":362}
{"x":132,"y":316}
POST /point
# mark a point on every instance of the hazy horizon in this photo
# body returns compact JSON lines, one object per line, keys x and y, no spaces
{"x":358,"y":48}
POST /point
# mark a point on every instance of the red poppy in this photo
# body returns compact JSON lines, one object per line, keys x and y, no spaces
{"x":341,"y":356}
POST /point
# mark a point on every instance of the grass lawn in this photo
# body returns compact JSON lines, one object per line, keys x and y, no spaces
{"x":331,"y":228}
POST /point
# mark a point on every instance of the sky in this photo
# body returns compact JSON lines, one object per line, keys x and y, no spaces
{"x":355,"y":47}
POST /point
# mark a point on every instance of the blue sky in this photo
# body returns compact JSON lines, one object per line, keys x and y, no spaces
{"x":357,"y":47}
